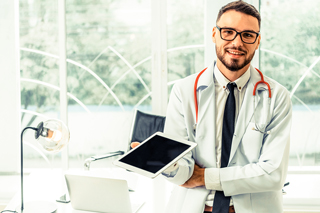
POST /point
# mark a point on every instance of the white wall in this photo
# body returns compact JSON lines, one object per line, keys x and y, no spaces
{"x":9,"y":94}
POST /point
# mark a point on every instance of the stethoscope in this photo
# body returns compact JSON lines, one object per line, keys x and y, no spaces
{"x":262,"y":81}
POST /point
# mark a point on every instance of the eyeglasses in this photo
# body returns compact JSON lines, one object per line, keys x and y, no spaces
{"x":229,"y":34}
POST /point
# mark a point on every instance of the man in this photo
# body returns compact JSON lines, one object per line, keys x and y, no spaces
{"x":241,"y":160}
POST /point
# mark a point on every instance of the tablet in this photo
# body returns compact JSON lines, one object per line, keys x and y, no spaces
{"x":155,"y":154}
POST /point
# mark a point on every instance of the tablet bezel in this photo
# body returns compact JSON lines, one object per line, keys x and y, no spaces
{"x":148,"y":174}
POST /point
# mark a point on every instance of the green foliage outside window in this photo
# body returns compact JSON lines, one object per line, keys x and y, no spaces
{"x":290,"y":45}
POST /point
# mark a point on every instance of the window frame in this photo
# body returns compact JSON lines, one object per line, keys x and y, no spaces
{"x":11,"y":74}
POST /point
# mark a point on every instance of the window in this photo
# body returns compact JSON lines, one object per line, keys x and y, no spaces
{"x":290,"y":54}
{"x":108,"y":68}
{"x":185,"y":24}
{"x":108,"y":72}
{"x":39,"y":74}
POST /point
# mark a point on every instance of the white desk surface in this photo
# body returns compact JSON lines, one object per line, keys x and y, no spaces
{"x":47,"y":184}
{"x":36,"y":187}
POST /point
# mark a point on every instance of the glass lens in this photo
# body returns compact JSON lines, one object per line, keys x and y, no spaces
{"x":228,"y":34}
{"x":248,"y":36}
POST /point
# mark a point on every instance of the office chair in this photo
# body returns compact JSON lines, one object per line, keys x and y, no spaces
{"x":143,"y":126}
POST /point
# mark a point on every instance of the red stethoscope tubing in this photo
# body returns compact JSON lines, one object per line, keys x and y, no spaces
{"x":262,"y":81}
{"x":195,"y":93}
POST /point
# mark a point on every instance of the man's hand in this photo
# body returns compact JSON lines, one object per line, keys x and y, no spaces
{"x":134,"y":144}
{"x":197,"y":178}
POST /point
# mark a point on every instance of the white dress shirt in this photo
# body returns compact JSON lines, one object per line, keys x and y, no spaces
{"x":212,"y":175}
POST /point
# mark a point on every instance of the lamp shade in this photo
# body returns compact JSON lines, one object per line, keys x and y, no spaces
{"x":52,"y":135}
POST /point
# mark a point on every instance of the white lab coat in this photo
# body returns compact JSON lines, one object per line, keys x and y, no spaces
{"x":258,"y":162}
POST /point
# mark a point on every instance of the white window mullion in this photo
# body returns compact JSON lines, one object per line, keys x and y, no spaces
{"x":159,"y":83}
{"x":159,"y":56}
{"x":63,"y":73}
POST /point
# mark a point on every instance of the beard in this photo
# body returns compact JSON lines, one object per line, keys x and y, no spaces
{"x":235,"y":64}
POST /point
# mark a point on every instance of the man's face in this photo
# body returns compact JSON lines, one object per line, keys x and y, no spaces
{"x":235,"y":55}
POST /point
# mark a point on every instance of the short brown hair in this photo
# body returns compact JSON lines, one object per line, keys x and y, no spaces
{"x":240,"y":6}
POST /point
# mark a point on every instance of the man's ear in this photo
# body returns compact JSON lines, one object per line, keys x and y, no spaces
{"x":214,"y":34}
{"x":258,"y":43}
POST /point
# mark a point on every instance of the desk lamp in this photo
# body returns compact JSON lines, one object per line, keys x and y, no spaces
{"x":53,"y":136}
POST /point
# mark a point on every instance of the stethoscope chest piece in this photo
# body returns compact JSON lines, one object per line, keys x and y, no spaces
{"x":194,"y":129}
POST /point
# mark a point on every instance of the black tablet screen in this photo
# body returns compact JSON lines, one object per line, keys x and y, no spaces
{"x":155,"y":154}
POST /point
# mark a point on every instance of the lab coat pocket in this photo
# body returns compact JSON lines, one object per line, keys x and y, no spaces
{"x":251,"y":143}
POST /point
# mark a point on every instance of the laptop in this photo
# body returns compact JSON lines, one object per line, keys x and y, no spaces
{"x":99,"y":194}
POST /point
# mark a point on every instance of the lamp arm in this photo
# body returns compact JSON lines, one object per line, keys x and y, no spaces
{"x":110,"y":154}
{"x":88,"y":161}
{"x":21,"y":163}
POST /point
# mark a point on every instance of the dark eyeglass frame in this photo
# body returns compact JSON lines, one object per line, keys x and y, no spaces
{"x":240,"y":33}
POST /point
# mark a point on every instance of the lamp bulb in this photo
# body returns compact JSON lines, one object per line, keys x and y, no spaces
{"x":54,"y":135}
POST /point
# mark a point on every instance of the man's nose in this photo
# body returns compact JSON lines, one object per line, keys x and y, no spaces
{"x":237,"y":41}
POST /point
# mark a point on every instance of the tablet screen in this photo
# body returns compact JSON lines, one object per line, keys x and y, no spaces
{"x":155,"y":154}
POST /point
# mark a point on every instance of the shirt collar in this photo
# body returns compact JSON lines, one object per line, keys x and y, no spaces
{"x":223,"y":81}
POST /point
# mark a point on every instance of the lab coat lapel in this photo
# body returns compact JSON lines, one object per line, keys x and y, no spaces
{"x":207,"y":94}
{"x":246,"y":111}
{"x":205,"y":134}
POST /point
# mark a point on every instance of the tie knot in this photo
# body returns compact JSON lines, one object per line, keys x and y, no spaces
{"x":231,"y":86}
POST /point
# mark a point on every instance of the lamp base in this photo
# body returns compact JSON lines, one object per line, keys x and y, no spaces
{"x":38,"y":207}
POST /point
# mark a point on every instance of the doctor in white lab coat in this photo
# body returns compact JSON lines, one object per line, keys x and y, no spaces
{"x":258,"y":160}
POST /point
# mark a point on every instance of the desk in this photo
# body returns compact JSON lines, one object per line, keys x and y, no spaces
{"x":36,"y":187}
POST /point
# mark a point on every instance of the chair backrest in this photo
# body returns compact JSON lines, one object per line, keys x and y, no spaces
{"x":144,"y":125}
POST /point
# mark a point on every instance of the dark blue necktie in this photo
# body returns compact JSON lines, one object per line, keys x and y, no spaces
{"x":221,"y":202}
